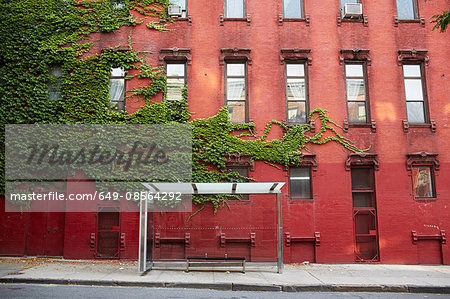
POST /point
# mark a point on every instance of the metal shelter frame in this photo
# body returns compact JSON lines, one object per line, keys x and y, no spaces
{"x":209,"y":188}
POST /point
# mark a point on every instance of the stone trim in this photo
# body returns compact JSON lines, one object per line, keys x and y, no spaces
{"x":422,"y":158}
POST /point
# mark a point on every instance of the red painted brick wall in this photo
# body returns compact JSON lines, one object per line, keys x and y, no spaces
{"x":330,"y":211}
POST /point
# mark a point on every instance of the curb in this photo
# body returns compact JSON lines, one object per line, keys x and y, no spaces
{"x":239,"y":286}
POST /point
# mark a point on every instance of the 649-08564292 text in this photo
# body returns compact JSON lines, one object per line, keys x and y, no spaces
{"x":134,"y":196}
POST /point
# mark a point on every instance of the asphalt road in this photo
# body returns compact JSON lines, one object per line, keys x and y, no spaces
{"x":62,"y":291}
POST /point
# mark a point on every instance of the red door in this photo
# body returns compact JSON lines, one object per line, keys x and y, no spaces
{"x":45,"y":234}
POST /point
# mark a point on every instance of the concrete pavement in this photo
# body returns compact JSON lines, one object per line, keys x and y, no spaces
{"x":259,"y":277}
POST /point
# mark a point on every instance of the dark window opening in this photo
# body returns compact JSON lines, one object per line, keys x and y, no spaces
{"x":54,"y":84}
{"x":362,"y":179}
{"x":108,"y":230}
{"x":242,"y":177}
{"x":364,"y":214}
{"x":300,"y":183}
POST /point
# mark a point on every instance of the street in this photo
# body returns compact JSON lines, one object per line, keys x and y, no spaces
{"x":64,"y":291}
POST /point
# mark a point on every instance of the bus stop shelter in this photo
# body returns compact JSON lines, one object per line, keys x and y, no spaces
{"x":209,"y":188}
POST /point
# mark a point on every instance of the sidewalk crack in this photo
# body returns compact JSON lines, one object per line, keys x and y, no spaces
{"x":307,"y":271}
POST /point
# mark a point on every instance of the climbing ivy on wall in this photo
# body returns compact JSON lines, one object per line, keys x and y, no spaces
{"x":38,"y":35}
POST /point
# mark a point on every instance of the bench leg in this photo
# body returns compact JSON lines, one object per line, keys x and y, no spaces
{"x":243,"y":266}
{"x":187,"y":265}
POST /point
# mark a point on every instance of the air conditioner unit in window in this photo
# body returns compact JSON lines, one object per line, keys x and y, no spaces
{"x":352,"y":10}
{"x":175,"y":11}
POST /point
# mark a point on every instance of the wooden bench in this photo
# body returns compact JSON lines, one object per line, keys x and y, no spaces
{"x":192,"y":262}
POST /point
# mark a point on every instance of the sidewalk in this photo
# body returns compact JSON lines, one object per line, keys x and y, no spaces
{"x":314,"y":277}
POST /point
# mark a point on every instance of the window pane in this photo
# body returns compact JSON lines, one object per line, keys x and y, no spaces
{"x":354,"y":70}
{"x":405,"y":9}
{"x":296,"y":89}
{"x":234,"y":8}
{"x":116,"y":89}
{"x":56,"y":72}
{"x":174,"y":89}
{"x":296,"y":112}
{"x":300,"y":182}
{"x":243,"y":171}
{"x":176,"y":70}
{"x":356,"y":112}
{"x":356,"y":90}
{"x":295,"y":70}
{"x":54,"y":95}
{"x":54,"y":85}
{"x":181,"y":3}
{"x":362,"y":179}
{"x":411,"y":70}
{"x":293,"y":9}
{"x":235,"y":89}
{"x":363,"y":200}
{"x":415,"y":112}
{"x":413,"y":90}
{"x":422,"y":181}
{"x":364,"y":223}
{"x":117,"y":72}
{"x":236,"y":111}
{"x":236,"y":69}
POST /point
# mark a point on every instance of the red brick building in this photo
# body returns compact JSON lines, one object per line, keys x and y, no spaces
{"x":376,"y":66}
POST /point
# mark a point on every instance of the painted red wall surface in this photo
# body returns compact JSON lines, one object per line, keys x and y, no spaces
{"x":330,"y":210}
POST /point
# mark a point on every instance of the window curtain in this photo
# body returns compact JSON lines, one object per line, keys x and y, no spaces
{"x":422,"y":182}
{"x":235,"y":89}
{"x":297,"y":89}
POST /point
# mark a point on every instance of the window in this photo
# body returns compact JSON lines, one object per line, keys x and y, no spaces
{"x":236,"y":91}
{"x":242,"y":171}
{"x":183,"y":4}
{"x":121,"y":7}
{"x":300,"y":183}
{"x":54,"y":84}
{"x":407,"y":9}
{"x":293,"y":9}
{"x":176,"y":80}
{"x":343,"y":2}
{"x":356,"y":89}
{"x":117,"y":89}
{"x":364,"y":214}
{"x":423,"y":181}
{"x":414,"y":82}
{"x":296,"y":95}
{"x":234,"y":9}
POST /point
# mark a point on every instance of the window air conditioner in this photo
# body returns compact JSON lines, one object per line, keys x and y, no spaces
{"x":175,"y":11}
{"x":352,"y":10}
